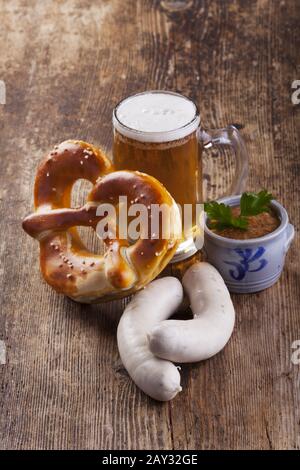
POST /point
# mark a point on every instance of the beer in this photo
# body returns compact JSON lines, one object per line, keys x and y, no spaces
{"x":174,"y":164}
{"x":159,"y":133}
{"x":155,"y":132}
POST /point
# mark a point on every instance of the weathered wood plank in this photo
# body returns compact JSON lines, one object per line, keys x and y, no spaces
{"x":65,"y":65}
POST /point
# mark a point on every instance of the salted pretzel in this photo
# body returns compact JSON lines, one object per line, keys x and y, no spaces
{"x":66,"y":264}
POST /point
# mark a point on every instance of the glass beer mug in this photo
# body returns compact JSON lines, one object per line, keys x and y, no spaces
{"x":160,"y":133}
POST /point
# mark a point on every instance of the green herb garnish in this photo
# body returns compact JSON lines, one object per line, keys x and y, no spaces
{"x":221,"y":216}
{"x":255,"y":203}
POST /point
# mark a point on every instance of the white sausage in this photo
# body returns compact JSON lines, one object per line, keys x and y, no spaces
{"x":205,"y":335}
{"x":158,"y":378}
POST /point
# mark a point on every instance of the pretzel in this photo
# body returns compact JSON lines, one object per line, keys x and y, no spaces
{"x":66,"y":264}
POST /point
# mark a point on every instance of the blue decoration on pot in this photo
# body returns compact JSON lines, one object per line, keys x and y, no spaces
{"x":248,"y":257}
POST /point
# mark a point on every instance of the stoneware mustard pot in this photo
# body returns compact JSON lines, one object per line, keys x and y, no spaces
{"x":250,"y":265}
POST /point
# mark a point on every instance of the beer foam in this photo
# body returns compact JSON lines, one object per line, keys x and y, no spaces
{"x":156,"y":117}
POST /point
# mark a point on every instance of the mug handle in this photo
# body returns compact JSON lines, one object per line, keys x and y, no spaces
{"x":231,"y":137}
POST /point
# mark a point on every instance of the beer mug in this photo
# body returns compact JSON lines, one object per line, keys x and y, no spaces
{"x":160,"y":133}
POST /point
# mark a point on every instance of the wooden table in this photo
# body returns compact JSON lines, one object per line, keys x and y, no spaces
{"x":65,"y":65}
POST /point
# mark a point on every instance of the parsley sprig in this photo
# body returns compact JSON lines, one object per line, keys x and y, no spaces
{"x":221,"y":216}
{"x":255,"y":203}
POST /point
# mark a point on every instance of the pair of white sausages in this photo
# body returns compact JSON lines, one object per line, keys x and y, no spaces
{"x":149,"y":343}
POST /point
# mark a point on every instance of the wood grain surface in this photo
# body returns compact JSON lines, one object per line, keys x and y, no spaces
{"x":65,"y":65}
